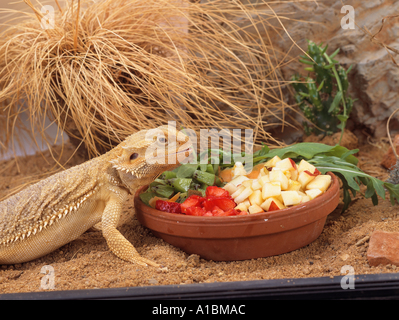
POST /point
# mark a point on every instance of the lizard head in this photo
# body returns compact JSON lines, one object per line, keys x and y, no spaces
{"x":144,"y":155}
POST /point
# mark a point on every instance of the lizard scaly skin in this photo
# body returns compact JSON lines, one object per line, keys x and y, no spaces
{"x":57,"y":210}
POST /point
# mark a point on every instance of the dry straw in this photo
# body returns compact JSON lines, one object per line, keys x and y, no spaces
{"x":109,"y":68}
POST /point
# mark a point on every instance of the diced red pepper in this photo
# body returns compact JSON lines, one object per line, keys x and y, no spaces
{"x":191,"y":201}
{"x":195,"y":211}
{"x":223,"y":203}
{"x":167,"y":206}
{"x":231,"y":212}
{"x":216,"y":210}
{"x":216,"y":192}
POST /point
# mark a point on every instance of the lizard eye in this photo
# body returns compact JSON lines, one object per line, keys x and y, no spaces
{"x":134,"y":156}
{"x":162,"y":140}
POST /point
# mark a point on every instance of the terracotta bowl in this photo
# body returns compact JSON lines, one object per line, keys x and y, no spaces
{"x":242,"y":237}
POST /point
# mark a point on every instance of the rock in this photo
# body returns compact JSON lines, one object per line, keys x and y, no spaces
{"x":345,"y":257}
{"x":193,"y":260}
{"x":374,"y":78}
{"x":383,"y":248}
{"x":362,"y":241}
{"x":389,"y":159}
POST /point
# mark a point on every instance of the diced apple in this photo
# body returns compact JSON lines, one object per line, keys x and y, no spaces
{"x":286,"y":164}
{"x":305,"y":199}
{"x":271,"y":189}
{"x":264,"y":171}
{"x":272,"y":162}
{"x":256,"y":198}
{"x":304,"y":165}
{"x":291,"y":198}
{"x":239,"y":180}
{"x":301,"y":193}
{"x":242,"y":207}
{"x":287,"y":173}
{"x":263,"y":180}
{"x":244,"y":195}
{"x":321,"y":182}
{"x":247,"y":183}
{"x":294,"y":175}
{"x":256,"y":185}
{"x":238,"y":192}
{"x":304,"y":178}
{"x":278,"y":176}
{"x":246,"y":203}
{"x":266,"y":205}
{"x":255,"y":209}
{"x":231,"y":188}
{"x":313,"y":193}
{"x":239,"y":170}
{"x":293,"y":185}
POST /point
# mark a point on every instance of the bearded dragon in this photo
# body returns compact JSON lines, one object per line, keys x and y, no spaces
{"x":57,"y":210}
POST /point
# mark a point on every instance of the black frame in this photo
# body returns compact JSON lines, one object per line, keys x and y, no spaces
{"x":371,"y":286}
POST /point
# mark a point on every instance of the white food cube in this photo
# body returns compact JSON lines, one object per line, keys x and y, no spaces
{"x":239,"y":180}
{"x":246,"y":203}
{"x":279,"y":176}
{"x":305,"y":198}
{"x":304,"y":178}
{"x":291,"y":198}
{"x":286,"y":164}
{"x":239,"y":170}
{"x":244,"y":195}
{"x":242,"y":207}
{"x":272,"y":162}
{"x":321,"y":182}
{"x":266,"y":205}
{"x":313,"y":193}
{"x":247,"y":183}
{"x":271,"y":189}
{"x":238,"y":192}
{"x":294,"y":175}
{"x":263,"y":180}
{"x":304,"y":165}
{"x":255,"y":209}
{"x":231,"y":188}
{"x":256,"y":198}
{"x":256,"y":185}
{"x":293,"y":185}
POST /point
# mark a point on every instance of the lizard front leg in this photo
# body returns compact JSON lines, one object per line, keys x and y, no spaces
{"x":117,"y":243}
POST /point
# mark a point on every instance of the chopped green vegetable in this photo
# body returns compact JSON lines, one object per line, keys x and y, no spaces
{"x":168,"y":175}
{"x":204,"y":177}
{"x":163,"y":191}
{"x":147,"y":196}
{"x":182,"y":184}
{"x":209,"y":168}
{"x":186,"y":171}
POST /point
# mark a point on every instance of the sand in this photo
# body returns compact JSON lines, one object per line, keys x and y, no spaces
{"x":86,"y":263}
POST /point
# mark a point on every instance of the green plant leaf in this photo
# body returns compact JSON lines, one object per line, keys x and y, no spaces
{"x":336,"y":102}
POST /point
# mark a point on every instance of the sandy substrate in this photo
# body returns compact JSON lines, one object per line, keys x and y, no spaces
{"x":86,"y":263}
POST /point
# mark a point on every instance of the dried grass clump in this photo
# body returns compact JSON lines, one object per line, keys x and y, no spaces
{"x":109,"y":68}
